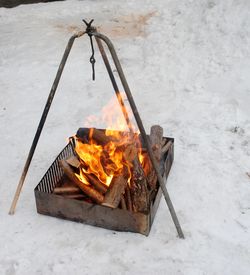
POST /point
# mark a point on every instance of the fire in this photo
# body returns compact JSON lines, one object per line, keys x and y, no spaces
{"x":112,"y":157}
{"x":91,"y":154}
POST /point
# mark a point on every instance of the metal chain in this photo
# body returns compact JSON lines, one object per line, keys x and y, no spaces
{"x":92,"y":57}
{"x":89,"y":31}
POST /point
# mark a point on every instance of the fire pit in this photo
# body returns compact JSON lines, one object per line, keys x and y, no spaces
{"x":57,"y":195}
{"x":112,"y":179}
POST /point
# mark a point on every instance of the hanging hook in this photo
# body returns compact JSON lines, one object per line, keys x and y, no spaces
{"x":89,"y":31}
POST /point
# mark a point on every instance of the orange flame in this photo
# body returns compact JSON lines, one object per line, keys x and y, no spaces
{"x":108,"y":160}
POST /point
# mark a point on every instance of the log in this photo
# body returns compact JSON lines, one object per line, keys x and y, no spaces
{"x":128,"y":199}
{"x":116,"y":189}
{"x":137,"y":196}
{"x":98,"y":135}
{"x":130,"y":152}
{"x":99,"y":186}
{"x":66,"y":190}
{"x":89,"y":191}
{"x":123,"y":203}
{"x":75,"y":196}
{"x":74,"y":161}
{"x":108,"y":165}
{"x":139,"y":190}
{"x":166,"y":147}
{"x":156,"y":133}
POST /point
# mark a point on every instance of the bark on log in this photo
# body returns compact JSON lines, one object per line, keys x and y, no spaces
{"x":139,"y":189}
{"x":98,"y":135}
{"x":67,"y":190}
{"x":156,"y":134}
{"x":116,"y":189}
{"x":128,"y":199}
{"x":166,"y":147}
{"x":123,"y":203}
{"x":137,"y":196}
{"x":99,"y":186}
{"x":89,"y":191}
{"x":73,"y":161}
{"x":130,"y":152}
{"x":75,"y":196}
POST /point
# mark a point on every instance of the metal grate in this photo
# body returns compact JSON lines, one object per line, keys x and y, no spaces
{"x":54,"y":174}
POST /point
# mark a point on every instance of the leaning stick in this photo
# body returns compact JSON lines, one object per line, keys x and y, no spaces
{"x":42,"y":120}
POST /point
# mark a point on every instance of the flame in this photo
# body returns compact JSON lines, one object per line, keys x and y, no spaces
{"x":108,"y":160}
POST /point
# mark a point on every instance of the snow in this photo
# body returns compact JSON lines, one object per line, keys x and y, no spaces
{"x":187,"y":63}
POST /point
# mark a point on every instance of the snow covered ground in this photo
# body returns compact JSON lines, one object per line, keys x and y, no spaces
{"x":188,"y":65}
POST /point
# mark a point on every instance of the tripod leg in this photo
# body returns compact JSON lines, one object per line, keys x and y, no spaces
{"x":42,"y":121}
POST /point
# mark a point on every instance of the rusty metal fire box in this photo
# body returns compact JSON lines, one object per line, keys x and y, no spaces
{"x":81,"y":211}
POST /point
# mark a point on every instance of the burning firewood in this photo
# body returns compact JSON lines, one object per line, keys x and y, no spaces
{"x":116,"y":189}
{"x":73,"y":161}
{"x":88,"y":190}
{"x":99,"y":186}
{"x":130,"y":152}
{"x":137,"y":196}
{"x":93,"y":133}
{"x":139,"y":191}
{"x":105,"y":161}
